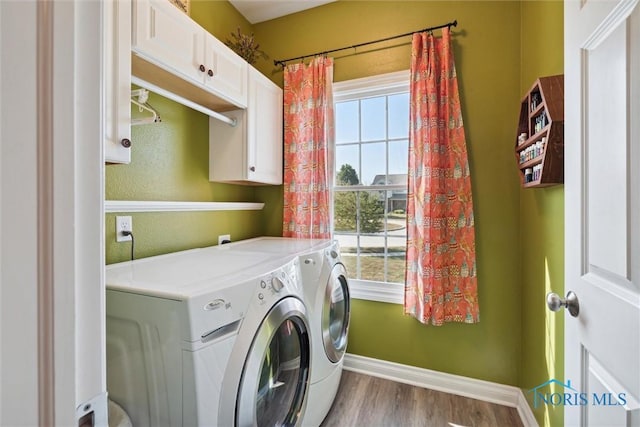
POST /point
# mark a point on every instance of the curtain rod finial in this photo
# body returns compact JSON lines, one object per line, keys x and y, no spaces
{"x":455,"y":22}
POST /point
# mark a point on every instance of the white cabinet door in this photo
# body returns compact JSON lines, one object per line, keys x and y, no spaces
{"x":174,"y":43}
{"x":264,"y":149}
{"x":226,"y":72}
{"x":168,"y":38}
{"x":602,"y":212}
{"x":250,"y":152}
{"x":117,"y":61}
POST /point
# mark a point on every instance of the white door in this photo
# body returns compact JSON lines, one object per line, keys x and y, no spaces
{"x":602,"y":229}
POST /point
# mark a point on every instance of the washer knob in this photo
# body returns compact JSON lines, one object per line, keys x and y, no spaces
{"x":277,"y":284}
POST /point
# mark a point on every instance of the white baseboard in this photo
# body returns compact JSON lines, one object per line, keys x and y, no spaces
{"x":487,"y":391}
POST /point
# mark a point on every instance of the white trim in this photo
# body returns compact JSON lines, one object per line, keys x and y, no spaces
{"x":525,"y":412}
{"x":111,"y":206}
{"x":383,"y":84}
{"x":379,"y":85}
{"x":486,"y":391}
{"x":392,"y":293}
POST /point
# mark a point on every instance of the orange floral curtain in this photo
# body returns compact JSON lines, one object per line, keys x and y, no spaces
{"x":441,"y":283}
{"x":308,"y":136}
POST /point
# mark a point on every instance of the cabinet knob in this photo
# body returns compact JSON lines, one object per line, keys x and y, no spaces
{"x":126,"y":143}
{"x":210,"y":73}
{"x":202,"y":68}
{"x":252,"y":168}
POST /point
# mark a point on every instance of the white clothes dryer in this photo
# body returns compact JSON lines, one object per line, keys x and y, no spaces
{"x":326,"y":290}
{"x":208,"y":337}
{"x":326,"y":293}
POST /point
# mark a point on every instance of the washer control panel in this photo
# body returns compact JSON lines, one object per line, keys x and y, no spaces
{"x":273,"y":284}
{"x":277,"y":284}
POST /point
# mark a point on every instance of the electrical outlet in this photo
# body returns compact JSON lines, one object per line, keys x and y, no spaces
{"x":123,"y":223}
{"x":224,"y":237}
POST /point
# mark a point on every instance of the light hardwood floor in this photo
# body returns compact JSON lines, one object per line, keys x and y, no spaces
{"x":368,"y":401}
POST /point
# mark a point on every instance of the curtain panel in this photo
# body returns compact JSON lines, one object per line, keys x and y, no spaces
{"x":308,"y":141}
{"x":441,"y":283}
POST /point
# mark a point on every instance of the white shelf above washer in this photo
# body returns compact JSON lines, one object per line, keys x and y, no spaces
{"x":113,"y":206}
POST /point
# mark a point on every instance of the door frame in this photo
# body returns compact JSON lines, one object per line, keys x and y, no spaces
{"x":51,"y":221}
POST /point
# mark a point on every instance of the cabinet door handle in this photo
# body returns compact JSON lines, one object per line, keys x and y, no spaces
{"x":252,"y":168}
{"x":202,"y":68}
{"x":125,"y":142}
{"x":210,"y":73}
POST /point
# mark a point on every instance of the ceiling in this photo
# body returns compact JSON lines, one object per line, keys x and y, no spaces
{"x":263,"y":10}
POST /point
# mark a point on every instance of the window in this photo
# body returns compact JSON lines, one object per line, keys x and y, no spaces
{"x":370,"y":185}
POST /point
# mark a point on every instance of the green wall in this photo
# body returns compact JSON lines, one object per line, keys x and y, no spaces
{"x":487,"y":48}
{"x":542,"y":223}
{"x":170,"y":161}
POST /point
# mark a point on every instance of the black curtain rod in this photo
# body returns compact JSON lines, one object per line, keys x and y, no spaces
{"x":283,"y":61}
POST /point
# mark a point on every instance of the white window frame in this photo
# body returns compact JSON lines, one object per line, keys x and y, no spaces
{"x":380,"y":85}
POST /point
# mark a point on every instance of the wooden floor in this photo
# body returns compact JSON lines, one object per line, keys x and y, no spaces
{"x":369,"y":401}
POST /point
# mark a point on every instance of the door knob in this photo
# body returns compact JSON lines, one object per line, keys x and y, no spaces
{"x":555,"y":303}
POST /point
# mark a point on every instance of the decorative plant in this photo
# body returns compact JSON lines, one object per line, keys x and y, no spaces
{"x":246,"y":47}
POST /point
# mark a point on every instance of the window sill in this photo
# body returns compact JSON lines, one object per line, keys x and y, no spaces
{"x":392,"y":293}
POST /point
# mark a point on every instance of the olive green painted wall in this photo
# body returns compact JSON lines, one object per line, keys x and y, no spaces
{"x":542,"y":222}
{"x":487,"y":48}
{"x":170,"y":161}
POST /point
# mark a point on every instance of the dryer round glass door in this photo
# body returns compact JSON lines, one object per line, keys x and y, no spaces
{"x":275,"y":378}
{"x":336,"y":310}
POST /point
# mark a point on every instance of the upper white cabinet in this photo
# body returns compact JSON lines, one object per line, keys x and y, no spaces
{"x":173,"y":52}
{"x":117,"y":61}
{"x":251,"y":151}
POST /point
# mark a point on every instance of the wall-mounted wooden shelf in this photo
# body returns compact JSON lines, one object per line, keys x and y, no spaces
{"x":539,"y":146}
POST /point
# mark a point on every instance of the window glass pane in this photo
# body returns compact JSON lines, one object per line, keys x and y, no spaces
{"x":345,"y":212}
{"x":346,"y":121}
{"x":347,"y":155}
{"x":371,"y":212}
{"x":396,"y":265}
{"x":399,"y":158}
{"x":399,"y":115}
{"x":373,"y":112}
{"x":349,"y":257}
{"x":372,"y":258}
{"x":373,"y":161}
{"x":372,"y":150}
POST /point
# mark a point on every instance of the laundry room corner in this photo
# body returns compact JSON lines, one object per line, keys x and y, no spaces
{"x":487,"y":49}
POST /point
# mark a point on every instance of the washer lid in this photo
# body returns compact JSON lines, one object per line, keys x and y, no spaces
{"x":182,"y":275}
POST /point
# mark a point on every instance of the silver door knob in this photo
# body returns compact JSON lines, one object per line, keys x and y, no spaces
{"x":555,"y":303}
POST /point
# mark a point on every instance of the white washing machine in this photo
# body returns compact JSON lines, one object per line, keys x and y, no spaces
{"x":326,"y":293}
{"x":208,"y":337}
